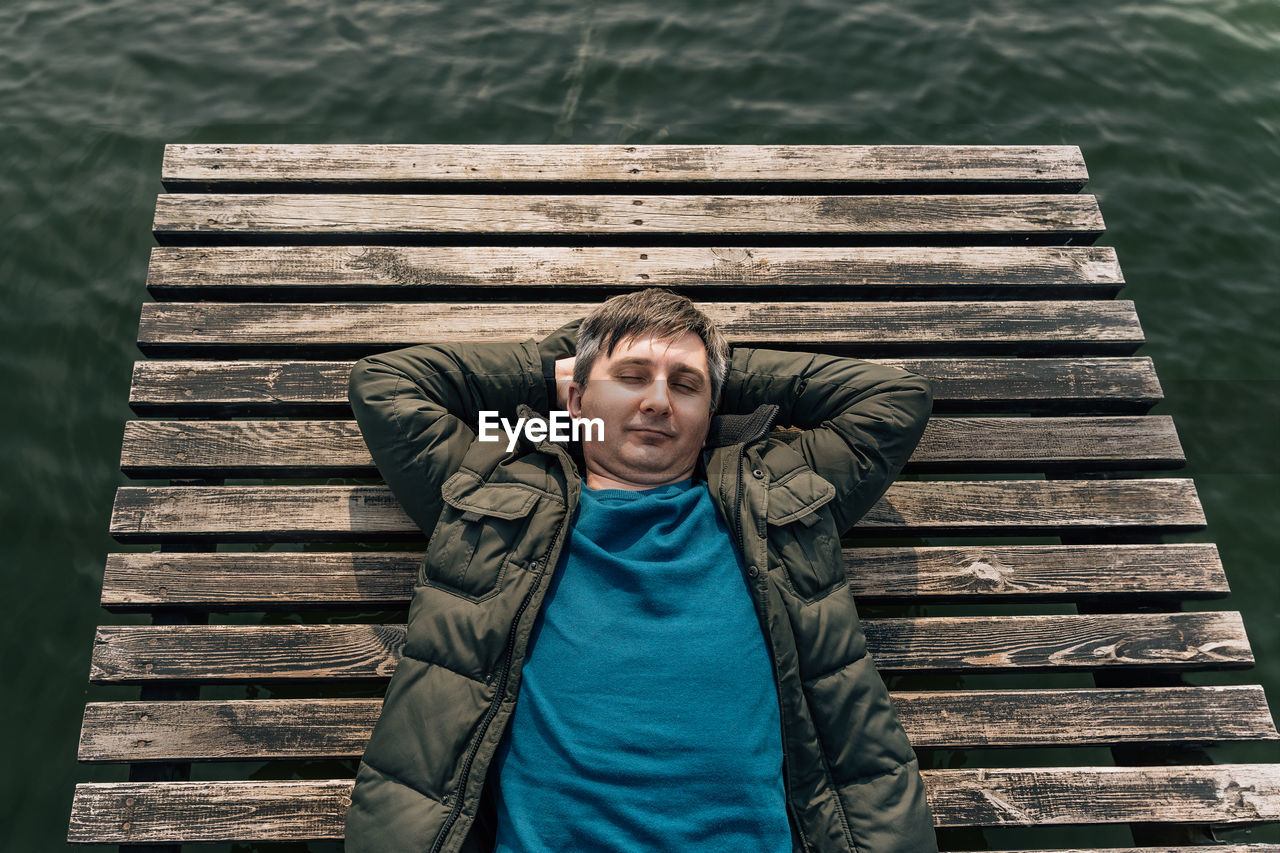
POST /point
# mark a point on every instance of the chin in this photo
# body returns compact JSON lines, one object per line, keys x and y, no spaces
{"x":646,"y":463}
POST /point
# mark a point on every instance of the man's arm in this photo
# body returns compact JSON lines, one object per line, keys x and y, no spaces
{"x":861,"y":420}
{"x":418,"y":407}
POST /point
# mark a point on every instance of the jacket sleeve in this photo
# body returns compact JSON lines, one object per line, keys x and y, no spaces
{"x":418,"y":407}
{"x":860,"y":420}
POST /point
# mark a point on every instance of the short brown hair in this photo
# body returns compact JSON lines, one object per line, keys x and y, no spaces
{"x":654,"y":310}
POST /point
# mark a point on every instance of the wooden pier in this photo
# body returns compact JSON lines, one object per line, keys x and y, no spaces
{"x":280,"y":265}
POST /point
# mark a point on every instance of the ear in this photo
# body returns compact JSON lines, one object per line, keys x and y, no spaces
{"x":574,"y":401}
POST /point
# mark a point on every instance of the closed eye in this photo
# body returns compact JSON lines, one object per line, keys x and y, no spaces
{"x":683,"y":386}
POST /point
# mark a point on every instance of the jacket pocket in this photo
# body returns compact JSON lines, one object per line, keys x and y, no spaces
{"x":803,"y":539}
{"x":480,"y":527}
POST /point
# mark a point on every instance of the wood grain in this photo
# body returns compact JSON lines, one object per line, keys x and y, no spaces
{"x":1197,"y":640}
{"x":225,"y":581}
{"x":224,"y":218}
{"x":310,"y":729}
{"x":155,"y":449}
{"x":1237,"y":794}
{"x":550,"y":272}
{"x":1044,"y":327}
{"x":1053,"y":166}
{"x":288,"y":387}
{"x":916,"y":508}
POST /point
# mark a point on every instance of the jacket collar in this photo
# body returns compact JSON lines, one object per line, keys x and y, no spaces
{"x":740,"y":429}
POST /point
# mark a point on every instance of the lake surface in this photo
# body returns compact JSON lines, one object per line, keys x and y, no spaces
{"x":1176,"y":106}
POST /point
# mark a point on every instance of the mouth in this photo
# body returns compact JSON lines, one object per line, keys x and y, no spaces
{"x":650,"y":431}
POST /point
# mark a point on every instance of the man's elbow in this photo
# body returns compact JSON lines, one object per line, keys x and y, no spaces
{"x":926,"y":388}
{"x":372,"y":384}
{"x":916,"y":398}
{"x":357,"y":382}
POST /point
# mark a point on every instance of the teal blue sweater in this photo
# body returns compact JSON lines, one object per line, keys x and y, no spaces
{"x":647,"y":716}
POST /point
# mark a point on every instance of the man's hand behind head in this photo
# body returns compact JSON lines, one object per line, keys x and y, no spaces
{"x":564,"y":375}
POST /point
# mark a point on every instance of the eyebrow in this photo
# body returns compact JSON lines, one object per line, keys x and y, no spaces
{"x":679,"y":368}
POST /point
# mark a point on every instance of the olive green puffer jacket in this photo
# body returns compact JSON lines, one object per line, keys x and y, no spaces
{"x":497,"y":523}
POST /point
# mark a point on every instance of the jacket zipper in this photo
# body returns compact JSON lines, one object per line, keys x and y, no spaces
{"x":804,"y":841}
{"x":737,"y":523}
{"x":501,"y":689}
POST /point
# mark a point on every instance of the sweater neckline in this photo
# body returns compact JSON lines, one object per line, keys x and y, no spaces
{"x":666,"y":488}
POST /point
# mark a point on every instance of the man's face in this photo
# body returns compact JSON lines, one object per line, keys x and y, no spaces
{"x":654,"y":397}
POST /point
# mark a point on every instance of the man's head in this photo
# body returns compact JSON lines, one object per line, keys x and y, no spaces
{"x":650,"y":365}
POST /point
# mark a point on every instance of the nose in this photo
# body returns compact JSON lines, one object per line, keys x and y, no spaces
{"x":657,"y":398}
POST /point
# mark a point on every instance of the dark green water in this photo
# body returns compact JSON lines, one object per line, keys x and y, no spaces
{"x":1176,"y":106}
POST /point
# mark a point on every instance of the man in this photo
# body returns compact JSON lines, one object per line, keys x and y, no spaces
{"x":644,"y":640}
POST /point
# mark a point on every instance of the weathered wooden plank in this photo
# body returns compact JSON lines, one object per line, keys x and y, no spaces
{"x":1044,"y":167}
{"x":152,"y":812}
{"x":261,"y":387}
{"x":246,"y":218}
{"x":262,"y":729}
{"x":138,"y":581}
{"x":167,"y":449}
{"x":405,"y":272}
{"x":978,"y":719}
{"x":1193,"y":640}
{"x":917,"y":508}
{"x":1061,"y":327}
{"x":287,"y":387}
{"x":1223,"y":793}
{"x":148,"y":812}
{"x":971,"y":573}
